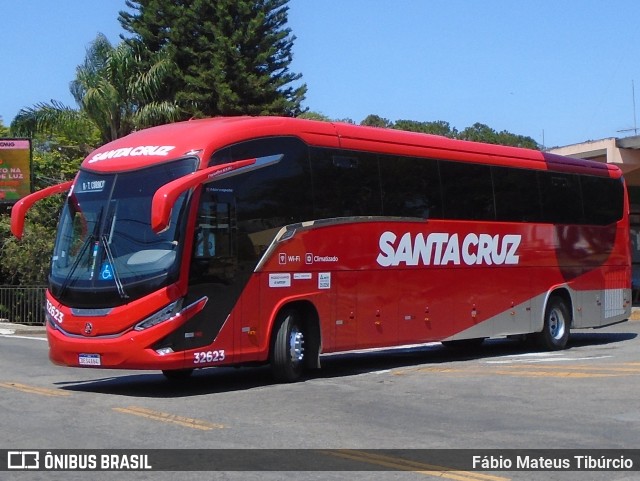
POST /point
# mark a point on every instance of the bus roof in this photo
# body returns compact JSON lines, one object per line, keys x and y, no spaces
{"x":204,"y":136}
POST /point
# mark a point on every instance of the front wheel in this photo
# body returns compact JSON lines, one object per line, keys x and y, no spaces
{"x":557,"y":322}
{"x":288,"y":350}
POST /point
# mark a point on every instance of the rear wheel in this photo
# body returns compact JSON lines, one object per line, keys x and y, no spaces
{"x":557,"y":322}
{"x":288,"y":350}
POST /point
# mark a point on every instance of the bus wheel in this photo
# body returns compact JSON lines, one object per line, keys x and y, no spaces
{"x":177,"y":374}
{"x":557,"y":321}
{"x":287,"y":354}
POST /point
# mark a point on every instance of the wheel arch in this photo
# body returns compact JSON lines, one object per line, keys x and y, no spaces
{"x":311,"y":327}
{"x":557,"y":319}
{"x":563,"y":293}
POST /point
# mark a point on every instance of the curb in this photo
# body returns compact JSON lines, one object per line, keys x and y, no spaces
{"x":9,"y":329}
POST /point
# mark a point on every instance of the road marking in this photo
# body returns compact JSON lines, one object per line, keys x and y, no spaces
{"x":535,"y":369}
{"x":553,"y":373}
{"x":546,"y":359}
{"x":401,"y":464}
{"x":169,"y":418}
{"x":34,"y":389}
{"x":13,"y":336}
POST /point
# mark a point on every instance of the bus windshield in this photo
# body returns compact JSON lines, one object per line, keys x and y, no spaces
{"x":106,"y":253}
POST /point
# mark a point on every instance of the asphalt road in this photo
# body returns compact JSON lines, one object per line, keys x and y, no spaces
{"x":498,"y":397}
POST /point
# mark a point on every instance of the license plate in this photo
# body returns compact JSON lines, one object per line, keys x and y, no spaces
{"x":89,"y":359}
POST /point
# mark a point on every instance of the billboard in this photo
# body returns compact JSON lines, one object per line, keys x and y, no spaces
{"x":15,"y":169}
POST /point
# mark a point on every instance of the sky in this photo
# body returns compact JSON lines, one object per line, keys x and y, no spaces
{"x":559,"y":71}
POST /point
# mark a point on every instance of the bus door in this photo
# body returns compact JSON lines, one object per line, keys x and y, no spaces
{"x":214,"y":271}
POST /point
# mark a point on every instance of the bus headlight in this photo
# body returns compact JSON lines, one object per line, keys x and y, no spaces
{"x":162,"y":315}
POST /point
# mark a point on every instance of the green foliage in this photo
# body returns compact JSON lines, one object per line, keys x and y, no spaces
{"x":377,"y":121}
{"x":439,"y":127}
{"x":232,"y":56}
{"x":478,"y":132}
{"x":26,"y":261}
{"x":115,"y":92}
{"x":310,"y":115}
{"x":4,"y":131}
{"x":483,"y":133}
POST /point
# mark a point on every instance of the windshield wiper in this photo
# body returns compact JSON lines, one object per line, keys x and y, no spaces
{"x":116,"y":277}
{"x":67,"y":280}
{"x":87,"y":242}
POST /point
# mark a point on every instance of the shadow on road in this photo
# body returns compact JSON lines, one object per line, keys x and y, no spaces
{"x":219,"y":380}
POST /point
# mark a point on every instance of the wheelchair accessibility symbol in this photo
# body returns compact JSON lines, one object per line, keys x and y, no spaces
{"x":106,"y":272}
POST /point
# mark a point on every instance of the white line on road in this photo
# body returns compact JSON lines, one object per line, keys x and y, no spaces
{"x":23,"y":337}
{"x":547,"y":359}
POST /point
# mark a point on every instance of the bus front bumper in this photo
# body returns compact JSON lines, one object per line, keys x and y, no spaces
{"x":131,"y":350}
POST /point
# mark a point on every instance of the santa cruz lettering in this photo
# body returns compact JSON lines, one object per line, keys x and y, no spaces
{"x":441,"y":249}
{"x":159,"y":150}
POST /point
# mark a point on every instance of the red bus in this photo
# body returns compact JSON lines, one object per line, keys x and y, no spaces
{"x":235,"y":241}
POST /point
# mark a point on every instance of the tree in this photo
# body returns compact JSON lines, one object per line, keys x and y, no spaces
{"x":439,"y":127}
{"x":4,"y":131}
{"x":232,"y":56}
{"x":115,"y":93}
{"x":26,"y":261}
{"x":479,"y":132}
{"x":310,"y":115}
{"x":373,"y":120}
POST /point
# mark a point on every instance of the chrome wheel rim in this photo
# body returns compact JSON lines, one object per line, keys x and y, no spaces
{"x":296,"y":345}
{"x":557,"y":324}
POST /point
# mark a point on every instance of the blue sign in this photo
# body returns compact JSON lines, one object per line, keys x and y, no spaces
{"x":106,"y":272}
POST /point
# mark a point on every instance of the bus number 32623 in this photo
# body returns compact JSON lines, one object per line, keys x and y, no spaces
{"x":208,"y":356}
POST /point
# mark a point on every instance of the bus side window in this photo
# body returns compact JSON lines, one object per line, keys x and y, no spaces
{"x":410,"y":187}
{"x":603,"y":199}
{"x":266,"y":199}
{"x":205,"y":236}
{"x":517,"y":195}
{"x":345,"y":183}
{"x":561,"y":198}
{"x":467,"y":191}
{"x":215,"y":229}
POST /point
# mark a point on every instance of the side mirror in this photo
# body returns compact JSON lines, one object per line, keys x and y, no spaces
{"x":20,"y":209}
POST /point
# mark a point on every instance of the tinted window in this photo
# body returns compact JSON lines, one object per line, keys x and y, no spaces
{"x":410,"y":187}
{"x":561,"y":198}
{"x":603,"y":199}
{"x":467,"y":191}
{"x":517,"y":195}
{"x":345,"y":183}
{"x":266,"y":199}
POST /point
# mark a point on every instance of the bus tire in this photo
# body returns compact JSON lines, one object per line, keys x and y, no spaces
{"x":557,"y":322}
{"x":287,"y":353}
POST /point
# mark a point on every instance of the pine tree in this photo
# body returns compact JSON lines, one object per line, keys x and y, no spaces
{"x":232,"y":56}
